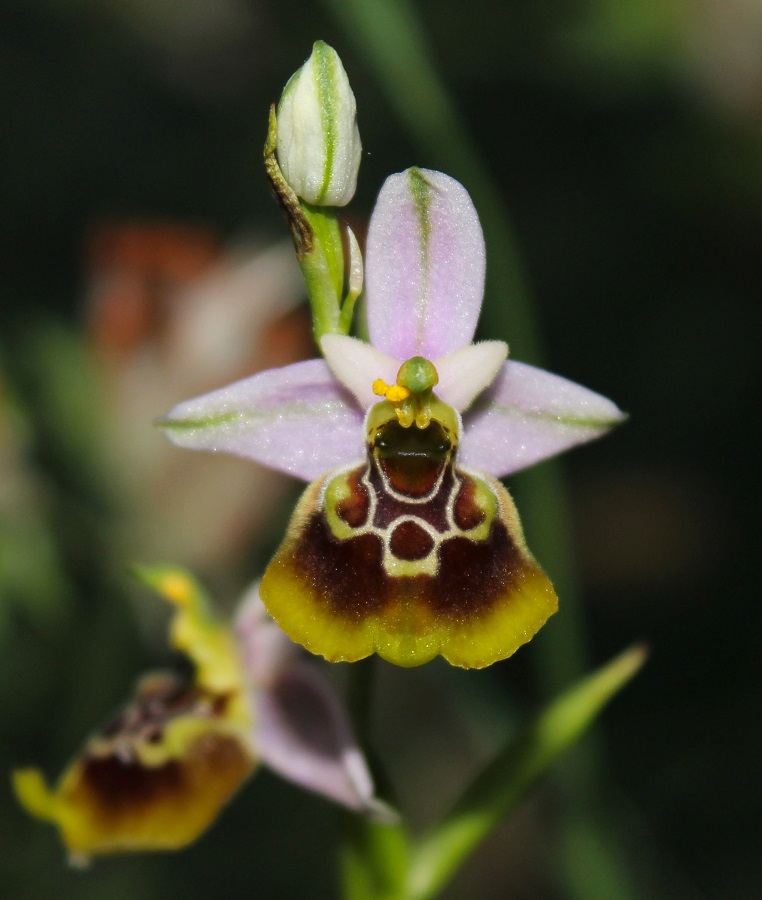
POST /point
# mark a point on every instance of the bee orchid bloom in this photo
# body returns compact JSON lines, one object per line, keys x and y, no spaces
{"x":405,"y":544}
{"x":159,"y":773}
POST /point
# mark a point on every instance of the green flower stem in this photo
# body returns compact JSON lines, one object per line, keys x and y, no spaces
{"x":375,"y":857}
{"x":505,"y":782}
{"x":323,"y":270}
{"x":318,"y":241}
{"x":374,"y":861}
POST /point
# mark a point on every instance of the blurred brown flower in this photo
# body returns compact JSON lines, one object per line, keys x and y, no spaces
{"x":171,"y":312}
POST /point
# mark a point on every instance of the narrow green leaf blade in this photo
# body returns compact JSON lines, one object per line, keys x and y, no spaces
{"x":374,"y":860}
{"x":503,"y":784}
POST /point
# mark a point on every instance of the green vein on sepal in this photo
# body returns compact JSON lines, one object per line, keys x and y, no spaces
{"x":421,"y":190}
{"x":544,"y":416}
{"x":207,"y":422}
{"x":573,"y":421}
{"x":188,"y":424}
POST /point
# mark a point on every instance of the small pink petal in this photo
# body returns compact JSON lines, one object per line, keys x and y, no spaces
{"x":300,"y":730}
{"x":303,"y":734}
{"x":297,"y":419}
{"x":356,"y":272}
{"x":529,"y":415}
{"x":425,"y":266}
{"x":465,"y":373}
{"x":357,"y":365}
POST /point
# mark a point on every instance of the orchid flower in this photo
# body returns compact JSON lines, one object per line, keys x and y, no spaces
{"x":405,"y":543}
{"x":158,"y":774}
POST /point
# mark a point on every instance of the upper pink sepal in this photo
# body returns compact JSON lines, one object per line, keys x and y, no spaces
{"x":425,"y":265}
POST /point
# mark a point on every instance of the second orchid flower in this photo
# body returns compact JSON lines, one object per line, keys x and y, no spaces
{"x":159,"y":773}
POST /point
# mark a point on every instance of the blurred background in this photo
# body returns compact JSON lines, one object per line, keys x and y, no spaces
{"x":614,"y":150}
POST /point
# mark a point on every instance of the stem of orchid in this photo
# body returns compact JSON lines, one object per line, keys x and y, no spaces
{"x":391,"y":40}
{"x":318,"y":242}
{"x":374,"y":856}
{"x":375,"y":860}
{"x":323,"y":270}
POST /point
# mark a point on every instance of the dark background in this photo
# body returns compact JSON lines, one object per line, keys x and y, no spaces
{"x":626,"y":141}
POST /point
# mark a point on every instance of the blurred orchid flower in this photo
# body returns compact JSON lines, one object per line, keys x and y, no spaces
{"x":172,"y":313}
{"x":159,"y":773}
{"x":406,"y":544}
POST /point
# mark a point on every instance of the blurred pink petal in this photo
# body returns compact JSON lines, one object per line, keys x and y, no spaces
{"x":303,"y":733}
{"x":301,"y":729}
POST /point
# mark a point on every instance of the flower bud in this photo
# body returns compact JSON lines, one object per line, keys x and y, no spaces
{"x":318,"y":140}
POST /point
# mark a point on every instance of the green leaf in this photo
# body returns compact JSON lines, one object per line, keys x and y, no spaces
{"x":375,"y":858}
{"x":506,"y":781}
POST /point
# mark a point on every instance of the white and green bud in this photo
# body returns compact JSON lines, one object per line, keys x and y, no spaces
{"x":318,"y":142}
